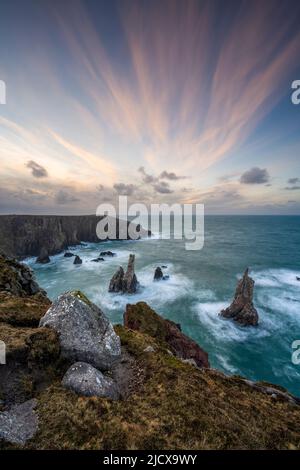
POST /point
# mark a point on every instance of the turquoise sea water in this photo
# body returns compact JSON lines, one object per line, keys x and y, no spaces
{"x":202,"y":283}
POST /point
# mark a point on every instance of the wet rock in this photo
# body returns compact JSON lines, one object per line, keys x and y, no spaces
{"x":96,"y":260}
{"x":166,"y":277}
{"x":126,"y":283}
{"x":116,"y":282}
{"x":20,"y":423}
{"x":142,"y":318}
{"x":158,"y":274}
{"x":107,"y":253}
{"x":77,"y":260}
{"x":68,"y":254}
{"x":242,"y":309}
{"x":43,"y":257}
{"x":84,"y":379}
{"x":85,"y":333}
{"x":130,"y":282}
{"x":298,"y":278}
{"x":164,"y":266}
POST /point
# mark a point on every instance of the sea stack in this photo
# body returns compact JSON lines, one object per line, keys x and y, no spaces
{"x":242,"y":309}
{"x":77,"y":260}
{"x":43,"y":257}
{"x":158,"y":274}
{"x":124,"y":282}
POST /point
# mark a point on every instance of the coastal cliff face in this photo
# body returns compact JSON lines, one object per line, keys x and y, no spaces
{"x":27,"y":235}
{"x":167,"y":403}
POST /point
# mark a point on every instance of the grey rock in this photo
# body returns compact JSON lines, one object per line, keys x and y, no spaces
{"x":43,"y":257}
{"x":130,"y":282}
{"x":85,"y":333}
{"x":20,"y":423}
{"x":149,"y":349}
{"x":242,"y":309}
{"x":107,"y":253}
{"x":84,"y":379}
{"x":158,"y":274}
{"x":77,"y":260}
{"x":96,"y":260}
{"x":116,"y":282}
{"x":68,"y":254}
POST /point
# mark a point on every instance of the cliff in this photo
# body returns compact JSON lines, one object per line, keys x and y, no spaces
{"x":26,"y":235}
{"x":167,"y":402}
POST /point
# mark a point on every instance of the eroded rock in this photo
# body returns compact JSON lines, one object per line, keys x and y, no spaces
{"x":43,"y":257}
{"x":77,"y":260}
{"x":84,"y":331}
{"x":242,"y":309}
{"x":124,"y":282}
{"x":84,"y":379}
{"x":158,"y":274}
{"x":20,"y":423}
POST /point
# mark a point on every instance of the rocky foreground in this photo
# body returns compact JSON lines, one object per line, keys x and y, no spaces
{"x":73,"y":381}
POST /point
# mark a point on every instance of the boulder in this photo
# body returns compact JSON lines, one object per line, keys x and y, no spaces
{"x":107,"y":253}
{"x":116,"y":282}
{"x":43,"y":257}
{"x":130,"y":282}
{"x":142,"y":318}
{"x":85,"y":333}
{"x":158,"y":274}
{"x":68,"y":254}
{"x":84,"y":379}
{"x":242,"y":309}
{"x":96,"y":260}
{"x":298,"y":278}
{"x":77,"y":260}
{"x":20,"y":423}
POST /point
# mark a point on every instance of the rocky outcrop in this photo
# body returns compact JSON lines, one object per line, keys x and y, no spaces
{"x":130,"y":282}
{"x":68,"y":254}
{"x":242,"y":309}
{"x":26,"y":235}
{"x":85,"y":333}
{"x":43,"y":257}
{"x":116,"y":282}
{"x":107,"y":253}
{"x":158,"y":274}
{"x":96,"y":260}
{"x":84,"y":379}
{"x":77,"y":260}
{"x":141,"y":317}
{"x":20,"y":423}
{"x":124,"y":282}
{"x":17,"y":278}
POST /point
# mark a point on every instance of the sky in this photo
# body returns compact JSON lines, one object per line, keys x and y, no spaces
{"x":163,"y":101}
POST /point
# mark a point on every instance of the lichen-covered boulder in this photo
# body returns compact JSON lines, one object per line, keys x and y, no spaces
{"x":20,"y":423}
{"x":84,"y":379}
{"x":85,"y":333}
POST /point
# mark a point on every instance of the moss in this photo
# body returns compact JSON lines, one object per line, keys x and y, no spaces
{"x":22,"y":311}
{"x":175,"y":406}
{"x":81,"y":296}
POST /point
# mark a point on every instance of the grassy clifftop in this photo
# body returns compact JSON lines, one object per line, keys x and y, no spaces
{"x":168,"y":404}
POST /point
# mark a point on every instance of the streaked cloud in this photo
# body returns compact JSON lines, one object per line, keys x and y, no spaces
{"x":255,"y":176}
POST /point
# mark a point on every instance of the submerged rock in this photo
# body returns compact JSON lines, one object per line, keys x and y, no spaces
{"x":298,"y":278}
{"x":142,"y":318}
{"x":77,"y":260}
{"x":96,"y":260}
{"x":84,"y":379}
{"x":158,"y":274}
{"x":20,"y":423}
{"x":43,"y":257}
{"x":68,"y":254}
{"x":85,"y":333}
{"x":124,"y":282}
{"x":116,"y":282}
{"x":107,"y":253}
{"x":242,"y":309}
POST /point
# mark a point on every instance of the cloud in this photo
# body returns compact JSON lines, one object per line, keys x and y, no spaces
{"x":63,"y":197}
{"x":162,"y":187}
{"x":148,"y":179}
{"x":37,"y":170}
{"x":292,"y":188}
{"x":124,"y":189}
{"x":293,"y":180}
{"x":171,"y":176}
{"x":255,"y":176}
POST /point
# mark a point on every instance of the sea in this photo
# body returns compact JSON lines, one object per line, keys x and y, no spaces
{"x":200,"y":284}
